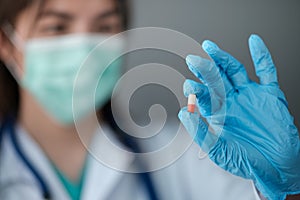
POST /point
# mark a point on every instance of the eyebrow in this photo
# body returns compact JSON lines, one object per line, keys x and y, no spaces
{"x":108,"y":14}
{"x":58,"y":14}
{"x":69,"y":17}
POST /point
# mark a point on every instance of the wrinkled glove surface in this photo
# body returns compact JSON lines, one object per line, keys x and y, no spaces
{"x":245,"y":127}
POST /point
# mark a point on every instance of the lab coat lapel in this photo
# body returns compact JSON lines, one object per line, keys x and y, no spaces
{"x":102,"y":178}
{"x":37,"y":157}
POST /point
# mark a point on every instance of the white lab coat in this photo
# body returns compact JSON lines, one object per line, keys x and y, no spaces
{"x":188,"y":178}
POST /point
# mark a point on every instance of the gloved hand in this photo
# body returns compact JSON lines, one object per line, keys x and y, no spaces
{"x":249,"y":131}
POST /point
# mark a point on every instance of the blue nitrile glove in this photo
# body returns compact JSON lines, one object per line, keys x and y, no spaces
{"x":251,"y":133}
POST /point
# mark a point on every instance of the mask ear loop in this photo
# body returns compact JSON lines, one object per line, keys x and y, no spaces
{"x":17,"y":42}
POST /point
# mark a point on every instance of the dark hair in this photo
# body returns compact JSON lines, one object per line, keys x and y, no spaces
{"x":9,"y":89}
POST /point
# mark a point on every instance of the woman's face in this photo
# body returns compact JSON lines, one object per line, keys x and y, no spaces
{"x":61,"y":17}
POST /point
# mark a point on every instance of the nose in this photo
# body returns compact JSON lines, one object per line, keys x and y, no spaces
{"x":81,"y":26}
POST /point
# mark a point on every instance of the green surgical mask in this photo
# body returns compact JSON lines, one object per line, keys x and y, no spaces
{"x":71,"y":76}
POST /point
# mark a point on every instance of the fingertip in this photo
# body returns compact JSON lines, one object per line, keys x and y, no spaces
{"x":194,"y":63}
{"x":193,"y":87}
{"x":254,"y":37}
{"x":193,"y":60}
{"x":182,"y":113}
{"x":204,"y":69}
{"x":210,"y":47}
{"x":188,"y":87}
{"x":188,"y":119}
{"x":255,"y":41}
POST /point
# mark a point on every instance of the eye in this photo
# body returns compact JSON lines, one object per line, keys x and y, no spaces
{"x":105,"y":29}
{"x":51,"y":27}
{"x":108,"y":28}
{"x":54,"y":29}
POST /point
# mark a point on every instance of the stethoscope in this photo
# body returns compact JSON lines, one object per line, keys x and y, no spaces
{"x":8,"y":126}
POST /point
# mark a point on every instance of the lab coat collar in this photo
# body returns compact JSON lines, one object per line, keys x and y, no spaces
{"x":105,"y":165}
{"x":42,"y":164}
{"x":100,"y":178}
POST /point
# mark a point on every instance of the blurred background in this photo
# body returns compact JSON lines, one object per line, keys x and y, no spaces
{"x":228,"y":23}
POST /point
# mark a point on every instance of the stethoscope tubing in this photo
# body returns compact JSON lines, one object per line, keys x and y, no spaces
{"x":9,"y":125}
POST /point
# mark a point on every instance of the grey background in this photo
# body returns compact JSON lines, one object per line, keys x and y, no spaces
{"x":228,"y":23}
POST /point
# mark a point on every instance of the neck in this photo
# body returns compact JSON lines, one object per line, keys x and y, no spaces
{"x":61,"y":144}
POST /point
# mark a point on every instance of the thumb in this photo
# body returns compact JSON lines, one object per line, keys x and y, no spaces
{"x":198,"y":129}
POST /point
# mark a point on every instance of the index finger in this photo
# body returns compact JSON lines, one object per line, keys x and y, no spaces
{"x":208,"y":73}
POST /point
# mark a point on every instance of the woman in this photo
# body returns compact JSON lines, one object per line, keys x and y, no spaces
{"x":41,"y":153}
{"x":51,"y":19}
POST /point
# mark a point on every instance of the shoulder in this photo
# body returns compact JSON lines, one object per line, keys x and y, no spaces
{"x":8,"y":156}
{"x":16,"y":182}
